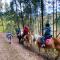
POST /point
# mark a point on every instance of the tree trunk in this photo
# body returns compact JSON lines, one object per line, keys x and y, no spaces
{"x":56,"y":18}
{"x":16,"y":14}
{"x":42,"y":14}
{"x":53,"y":18}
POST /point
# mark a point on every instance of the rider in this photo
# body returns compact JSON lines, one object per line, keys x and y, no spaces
{"x":47,"y":34}
{"x":18,"y":32}
{"x":26,"y":30}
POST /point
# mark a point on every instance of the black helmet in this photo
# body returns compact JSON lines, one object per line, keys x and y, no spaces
{"x":47,"y":25}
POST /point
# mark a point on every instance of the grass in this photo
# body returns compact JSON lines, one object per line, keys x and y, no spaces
{"x":5,"y":27}
{"x":1,"y":28}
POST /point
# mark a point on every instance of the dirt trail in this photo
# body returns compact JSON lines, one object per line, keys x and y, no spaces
{"x":14,"y":51}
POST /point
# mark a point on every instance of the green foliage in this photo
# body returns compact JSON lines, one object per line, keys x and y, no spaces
{"x":1,"y":28}
{"x":20,"y":19}
{"x":10,"y":27}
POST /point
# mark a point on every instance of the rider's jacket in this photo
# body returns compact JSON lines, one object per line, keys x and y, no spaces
{"x":26,"y":30}
{"x":48,"y":31}
{"x":18,"y":30}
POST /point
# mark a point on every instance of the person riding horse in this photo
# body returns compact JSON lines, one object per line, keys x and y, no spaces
{"x":47,"y":34}
{"x":26,"y":30}
{"x":18,"y":33}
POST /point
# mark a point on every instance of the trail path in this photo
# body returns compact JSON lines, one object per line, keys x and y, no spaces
{"x":14,"y":51}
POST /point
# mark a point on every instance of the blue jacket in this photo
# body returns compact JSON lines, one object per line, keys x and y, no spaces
{"x":47,"y":31}
{"x":18,"y":30}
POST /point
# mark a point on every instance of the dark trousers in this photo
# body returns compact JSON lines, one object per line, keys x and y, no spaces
{"x":18,"y":36}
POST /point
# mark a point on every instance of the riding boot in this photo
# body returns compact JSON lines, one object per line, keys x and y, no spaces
{"x":43,"y":45}
{"x":20,"y":37}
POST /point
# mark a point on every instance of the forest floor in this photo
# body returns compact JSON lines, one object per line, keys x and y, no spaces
{"x":14,"y":51}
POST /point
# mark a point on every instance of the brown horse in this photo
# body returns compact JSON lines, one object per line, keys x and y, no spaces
{"x":48,"y":45}
{"x":28,"y":40}
{"x":54,"y":43}
{"x":57,"y":46}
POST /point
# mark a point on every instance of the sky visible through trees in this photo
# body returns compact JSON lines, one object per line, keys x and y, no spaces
{"x":48,"y":5}
{"x":26,"y":11}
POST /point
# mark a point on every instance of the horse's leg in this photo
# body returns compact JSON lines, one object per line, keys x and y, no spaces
{"x":19,"y":39}
{"x":39,"y":49}
{"x":30,"y":41}
{"x":27,"y":41}
{"x":39,"y":46}
{"x":31,"y":44}
{"x":57,"y":56}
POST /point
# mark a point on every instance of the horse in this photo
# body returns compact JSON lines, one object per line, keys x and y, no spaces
{"x":28,"y":40}
{"x":49,"y":43}
{"x":52,"y":43}
{"x":35,"y":38}
{"x":57,"y":46}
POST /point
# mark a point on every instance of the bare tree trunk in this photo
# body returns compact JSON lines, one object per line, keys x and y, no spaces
{"x":42,"y":14}
{"x":17,"y":15}
{"x":56,"y":18}
{"x":53,"y":18}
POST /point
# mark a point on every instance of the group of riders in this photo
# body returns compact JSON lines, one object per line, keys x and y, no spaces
{"x":20,"y":35}
{"x":26,"y":31}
